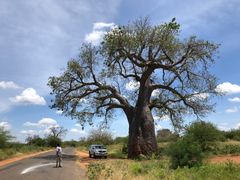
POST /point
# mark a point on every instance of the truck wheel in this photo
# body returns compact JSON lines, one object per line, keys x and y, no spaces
{"x":90,"y":155}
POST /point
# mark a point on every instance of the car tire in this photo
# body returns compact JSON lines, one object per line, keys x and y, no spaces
{"x":90,"y":155}
{"x":94,"y":156}
{"x":105,"y":157}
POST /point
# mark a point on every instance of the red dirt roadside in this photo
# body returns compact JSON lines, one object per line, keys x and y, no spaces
{"x":223,"y":159}
{"x":84,"y":159}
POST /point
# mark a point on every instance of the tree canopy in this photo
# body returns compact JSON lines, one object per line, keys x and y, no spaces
{"x":95,"y":83}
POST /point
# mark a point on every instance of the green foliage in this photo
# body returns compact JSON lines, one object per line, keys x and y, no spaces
{"x":165,"y":135}
{"x":233,"y":134}
{"x":53,"y":141}
{"x":99,"y":136}
{"x":5,"y":137}
{"x":227,"y":149}
{"x":36,"y":140}
{"x":118,"y":140}
{"x":204,"y":133}
{"x":185,"y":152}
{"x":124,"y":149}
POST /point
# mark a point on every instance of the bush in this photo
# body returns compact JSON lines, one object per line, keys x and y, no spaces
{"x":165,"y":135}
{"x":204,"y":133}
{"x":233,"y":134}
{"x":4,"y":137}
{"x":53,"y":141}
{"x":36,"y":140}
{"x":185,"y":152}
{"x":125,"y":149}
{"x":99,"y":136}
{"x":118,"y":140}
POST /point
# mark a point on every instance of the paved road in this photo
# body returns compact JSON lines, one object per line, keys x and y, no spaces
{"x":42,"y":167}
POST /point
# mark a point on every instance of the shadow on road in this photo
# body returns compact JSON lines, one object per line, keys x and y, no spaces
{"x":65,"y":157}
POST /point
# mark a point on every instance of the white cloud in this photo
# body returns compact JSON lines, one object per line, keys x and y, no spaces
{"x":5,"y":125}
{"x":8,"y":85}
{"x":155,"y":92}
{"x":232,"y":110}
{"x":29,"y":132}
{"x":47,"y":122}
{"x":28,"y":96}
{"x":30,"y":124}
{"x":132,"y":85}
{"x":235,"y":99}
{"x":77,"y":125}
{"x":59,"y":112}
{"x":78,"y":131}
{"x":44,"y":122}
{"x":101,"y":25}
{"x":163,"y":118}
{"x":228,"y":88}
{"x":99,"y":29}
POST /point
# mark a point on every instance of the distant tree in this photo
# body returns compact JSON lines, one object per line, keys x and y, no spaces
{"x":164,"y":135}
{"x":53,"y":141}
{"x":169,"y":76}
{"x":100,"y":136}
{"x":57,"y":131}
{"x":5,"y":137}
{"x":35,"y":140}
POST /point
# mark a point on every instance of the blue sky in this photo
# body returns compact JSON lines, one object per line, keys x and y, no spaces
{"x":38,"y":37}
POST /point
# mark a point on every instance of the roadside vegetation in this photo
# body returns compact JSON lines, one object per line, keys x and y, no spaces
{"x":178,"y":157}
{"x":34,"y":143}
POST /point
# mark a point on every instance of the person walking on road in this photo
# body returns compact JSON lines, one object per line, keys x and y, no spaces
{"x":58,"y":156}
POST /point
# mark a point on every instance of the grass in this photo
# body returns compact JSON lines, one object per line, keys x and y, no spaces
{"x":6,"y":153}
{"x":159,"y":169}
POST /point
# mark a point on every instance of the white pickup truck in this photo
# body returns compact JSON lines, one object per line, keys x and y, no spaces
{"x":97,"y":150}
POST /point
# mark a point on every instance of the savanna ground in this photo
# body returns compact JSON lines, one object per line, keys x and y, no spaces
{"x":117,"y":166}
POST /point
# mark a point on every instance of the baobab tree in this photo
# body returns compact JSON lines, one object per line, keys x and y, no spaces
{"x":170,"y":77}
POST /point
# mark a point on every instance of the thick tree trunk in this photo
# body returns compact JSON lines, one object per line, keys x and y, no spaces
{"x":142,"y":139}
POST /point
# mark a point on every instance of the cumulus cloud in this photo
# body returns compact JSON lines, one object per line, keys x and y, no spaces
{"x":8,"y":85}
{"x":132,"y":85}
{"x":5,"y":125}
{"x":101,"y":25}
{"x":44,"y":122}
{"x":223,"y":126}
{"x":28,"y":96}
{"x":235,"y":99}
{"x":155,"y":92}
{"x":228,"y":88}
{"x":99,"y":29}
{"x":47,"y":122}
{"x":30,"y":124}
{"x":59,"y":112}
{"x":78,"y":131}
{"x":29,"y":132}
{"x":232,"y":110}
{"x":163,"y":118}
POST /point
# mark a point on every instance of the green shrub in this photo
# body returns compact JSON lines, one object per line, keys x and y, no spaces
{"x":125,"y":149}
{"x":227,"y":149}
{"x":204,"y":133}
{"x":53,"y":141}
{"x":185,"y":152}
{"x":5,"y":137}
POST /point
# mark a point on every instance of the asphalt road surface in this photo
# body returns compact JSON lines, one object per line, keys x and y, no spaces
{"x":42,"y":167}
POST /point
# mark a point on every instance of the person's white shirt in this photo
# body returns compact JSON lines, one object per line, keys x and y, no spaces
{"x":58,"y":150}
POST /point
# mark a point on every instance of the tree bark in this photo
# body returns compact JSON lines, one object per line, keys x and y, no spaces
{"x":142,"y":139}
